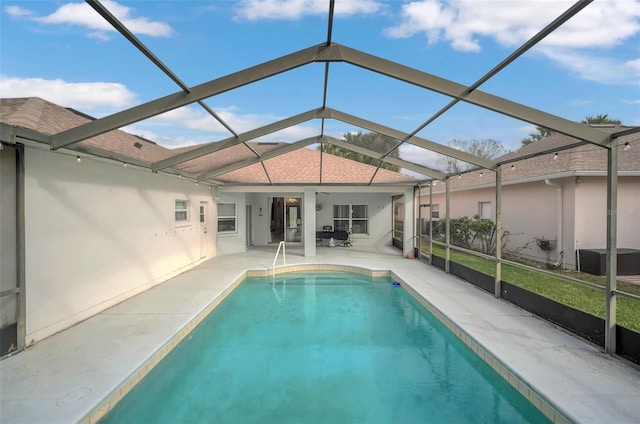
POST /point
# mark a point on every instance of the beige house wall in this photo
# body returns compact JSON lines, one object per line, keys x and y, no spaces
{"x":591,"y":213}
{"x":97,"y":234}
{"x":574,"y":214}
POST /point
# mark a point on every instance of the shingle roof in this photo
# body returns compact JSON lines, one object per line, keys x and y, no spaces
{"x":301,"y":166}
{"x":48,"y":118}
{"x":583,"y":159}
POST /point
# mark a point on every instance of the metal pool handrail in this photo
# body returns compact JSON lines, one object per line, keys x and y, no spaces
{"x":284,"y":257}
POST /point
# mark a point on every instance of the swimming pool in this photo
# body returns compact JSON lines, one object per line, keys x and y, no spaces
{"x":340,"y":347}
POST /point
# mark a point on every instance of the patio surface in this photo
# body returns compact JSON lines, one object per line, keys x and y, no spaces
{"x":66,"y":377}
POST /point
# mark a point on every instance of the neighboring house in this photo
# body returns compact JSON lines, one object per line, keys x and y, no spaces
{"x":560,"y":197}
{"x":88,"y":227}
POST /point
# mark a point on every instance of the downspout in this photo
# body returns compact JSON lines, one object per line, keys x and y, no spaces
{"x":560,"y":208}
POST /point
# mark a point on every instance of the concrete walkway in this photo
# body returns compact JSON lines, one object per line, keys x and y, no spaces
{"x":67,"y":377}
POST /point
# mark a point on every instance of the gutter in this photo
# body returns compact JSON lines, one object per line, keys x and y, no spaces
{"x":560,"y":223}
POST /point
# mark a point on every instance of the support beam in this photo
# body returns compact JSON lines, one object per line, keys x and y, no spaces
{"x":232,"y":141}
{"x":448,"y":227}
{"x":498,"y":281}
{"x":408,"y":232}
{"x":572,"y":11}
{"x":612,"y":250}
{"x":376,"y":155}
{"x":21,"y":248}
{"x":420,"y":142}
{"x":196,"y":93}
{"x":309,"y":222}
{"x":251,"y":161}
{"x":430,"y":223}
{"x":11,"y":134}
{"x":477,"y":97}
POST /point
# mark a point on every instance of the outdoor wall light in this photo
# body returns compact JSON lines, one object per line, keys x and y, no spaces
{"x":627,"y":146}
{"x":260,"y":213}
{"x":513,"y":167}
{"x":78,"y":159}
{"x":555,"y":157}
{"x":124,"y":164}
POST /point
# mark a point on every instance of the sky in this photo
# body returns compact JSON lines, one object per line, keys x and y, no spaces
{"x":66,"y":53}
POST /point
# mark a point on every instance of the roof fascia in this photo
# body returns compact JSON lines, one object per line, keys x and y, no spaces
{"x":420,"y":142}
{"x":538,"y":178}
{"x":376,"y":155}
{"x":578,"y":143}
{"x":332,"y":187}
{"x":232,"y":141}
{"x":477,"y":97}
{"x":196,"y":93}
{"x":251,"y":161}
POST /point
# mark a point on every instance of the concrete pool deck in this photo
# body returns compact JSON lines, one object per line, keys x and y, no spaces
{"x":68,"y":377}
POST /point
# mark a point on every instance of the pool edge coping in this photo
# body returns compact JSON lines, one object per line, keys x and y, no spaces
{"x":548,"y":408}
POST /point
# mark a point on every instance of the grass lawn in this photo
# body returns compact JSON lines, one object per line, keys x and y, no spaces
{"x":576,"y":296}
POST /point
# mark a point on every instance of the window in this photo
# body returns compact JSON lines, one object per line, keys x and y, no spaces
{"x":484,"y":210}
{"x":435,"y":211}
{"x":227,"y":218}
{"x":351,"y":217}
{"x":182,"y":211}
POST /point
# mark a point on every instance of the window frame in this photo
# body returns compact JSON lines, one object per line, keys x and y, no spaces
{"x":349,"y":219}
{"x":181,"y":210}
{"x":435,"y":211}
{"x":227,"y":218}
{"x":480,"y":210}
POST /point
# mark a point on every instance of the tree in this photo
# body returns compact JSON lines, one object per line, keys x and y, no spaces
{"x":601,"y":119}
{"x":372,"y":141}
{"x":471,"y":233}
{"x":487,"y":149}
{"x":541,"y":133}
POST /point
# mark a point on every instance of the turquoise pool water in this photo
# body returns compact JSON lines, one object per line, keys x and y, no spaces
{"x":322,"y":348}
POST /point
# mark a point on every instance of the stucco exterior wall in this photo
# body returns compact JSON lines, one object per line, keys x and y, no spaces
{"x":229,"y":243}
{"x":591,"y":213}
{"x":98,"y":233}
{"x":574,"y":215}
{"x":529,"y":211}
{"x":379,"y":209}
{"x":8,"y":236}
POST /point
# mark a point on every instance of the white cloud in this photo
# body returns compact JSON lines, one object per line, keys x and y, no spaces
{"x":463,"y":24}
{"x":85,"y":96}
{"x":592,"y":67}
{"x":17,"y":11}
{"x":81,"y":14}
{"x":420,"y":156}
{"x":296,"y":9}
{"x":202,"y":127}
